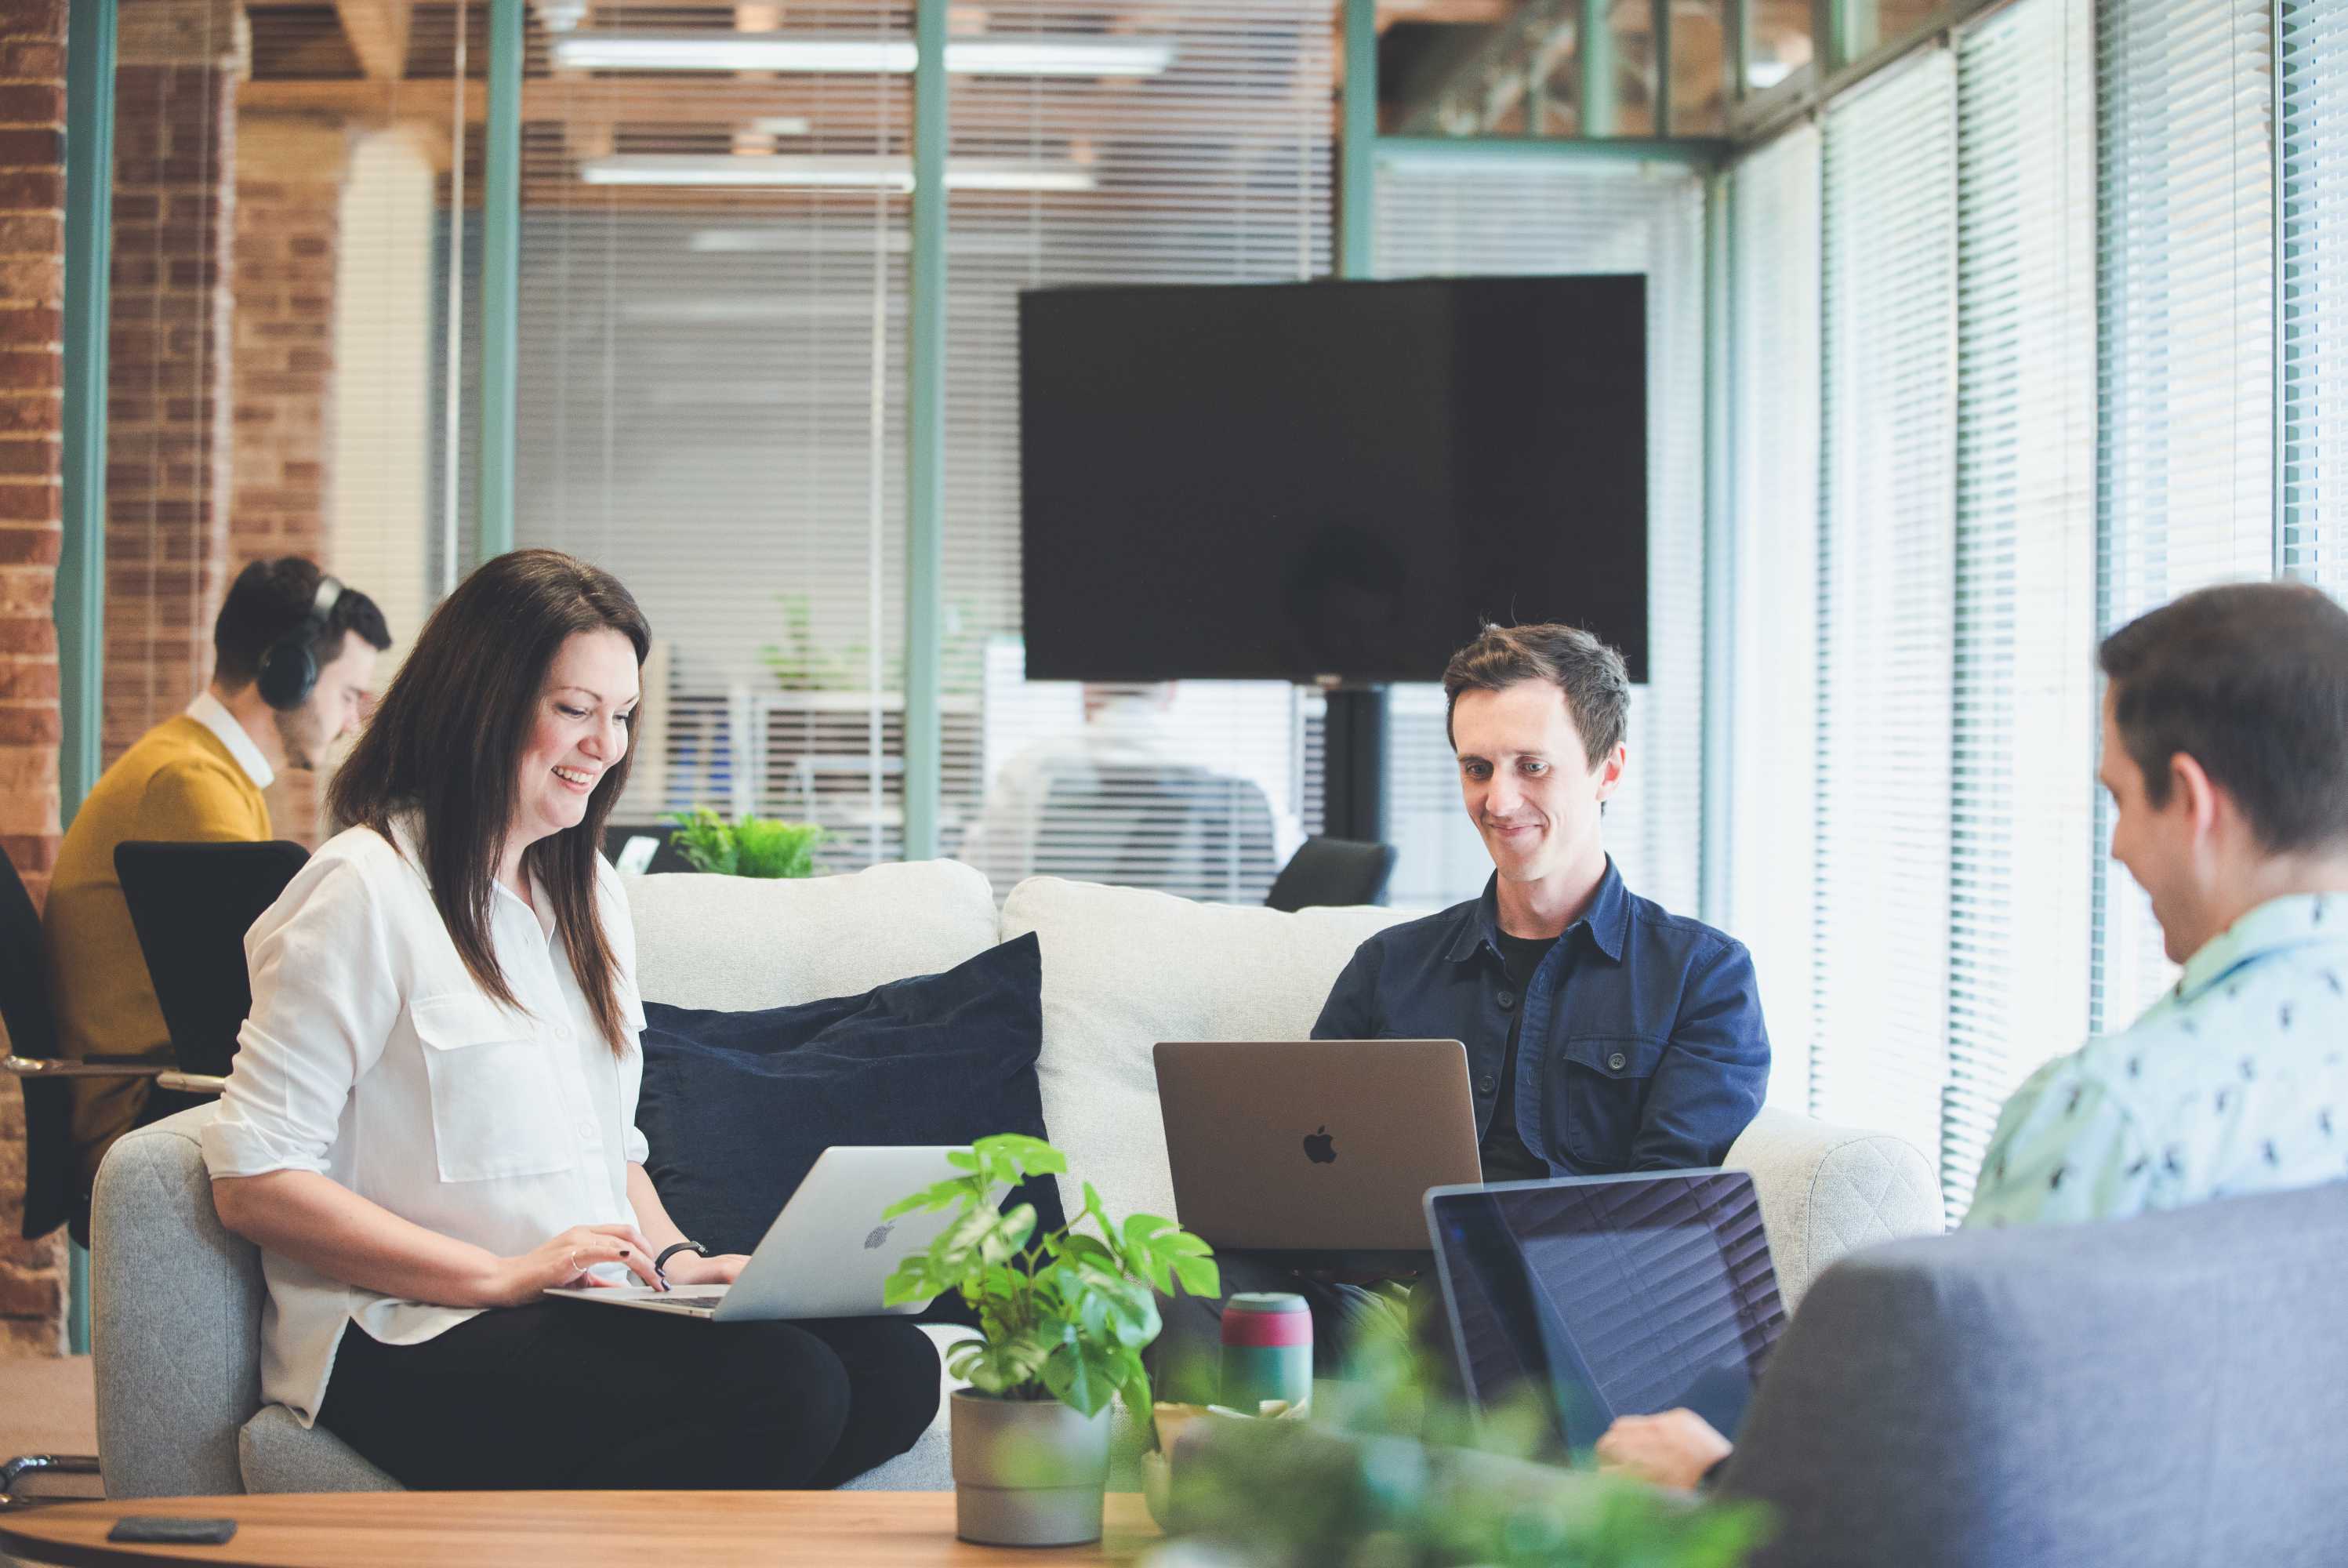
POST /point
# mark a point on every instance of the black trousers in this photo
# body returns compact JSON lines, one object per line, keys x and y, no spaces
{"x":562,"y":1395}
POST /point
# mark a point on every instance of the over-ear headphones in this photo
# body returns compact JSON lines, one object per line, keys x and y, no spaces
{"x":289,"y":669}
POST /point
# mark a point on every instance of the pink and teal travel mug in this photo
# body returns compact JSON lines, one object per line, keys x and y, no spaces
{"x":1267,"y":1350}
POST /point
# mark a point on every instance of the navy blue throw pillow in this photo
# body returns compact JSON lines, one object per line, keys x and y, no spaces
{"x":737,"y":1106}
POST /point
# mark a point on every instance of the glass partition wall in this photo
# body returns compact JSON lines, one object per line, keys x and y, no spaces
{"x":2019,"y":322}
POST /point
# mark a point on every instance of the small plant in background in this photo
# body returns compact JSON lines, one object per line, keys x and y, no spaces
{"x":749,"y":847}
{"x":1064,"y":1315}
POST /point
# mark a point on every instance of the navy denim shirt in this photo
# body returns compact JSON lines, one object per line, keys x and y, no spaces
{"x":1643,"y":1047}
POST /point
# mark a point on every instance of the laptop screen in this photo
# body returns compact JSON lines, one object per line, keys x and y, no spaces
{"x":1605,"y":1296}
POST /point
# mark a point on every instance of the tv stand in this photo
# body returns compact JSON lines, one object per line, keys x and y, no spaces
{"x":1354,"y":752}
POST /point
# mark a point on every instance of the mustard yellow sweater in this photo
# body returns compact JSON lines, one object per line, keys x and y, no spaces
{"x":179,"y":782}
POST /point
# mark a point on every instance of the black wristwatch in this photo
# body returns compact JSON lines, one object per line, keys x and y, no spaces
{"x":659,"y":1264}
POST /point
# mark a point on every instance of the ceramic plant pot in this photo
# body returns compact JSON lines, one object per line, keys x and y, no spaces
{"x":1028,"y":1472}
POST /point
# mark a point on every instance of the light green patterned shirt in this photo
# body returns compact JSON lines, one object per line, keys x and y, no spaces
{"x":2235,"y":1082}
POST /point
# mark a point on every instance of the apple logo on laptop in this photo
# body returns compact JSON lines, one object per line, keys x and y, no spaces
{"x":879,"y":1237}
{"x":1320,"y":1148}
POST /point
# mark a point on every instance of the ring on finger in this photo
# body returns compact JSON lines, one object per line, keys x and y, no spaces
{"x":574,"y":1261}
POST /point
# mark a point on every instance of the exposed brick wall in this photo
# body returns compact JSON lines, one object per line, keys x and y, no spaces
{"x":289,"y":186}
{"x":32,"y":306}
{"x":169,"y":398}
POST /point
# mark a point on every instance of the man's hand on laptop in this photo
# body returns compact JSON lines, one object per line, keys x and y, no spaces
{"x":691,"y":1268}
{"x":1674,"y":1448}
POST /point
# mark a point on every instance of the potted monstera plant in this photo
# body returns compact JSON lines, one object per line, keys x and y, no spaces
{"x":1063,"y":1316}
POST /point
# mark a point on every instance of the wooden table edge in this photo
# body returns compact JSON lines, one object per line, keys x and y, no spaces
{"x":21,"y":1535}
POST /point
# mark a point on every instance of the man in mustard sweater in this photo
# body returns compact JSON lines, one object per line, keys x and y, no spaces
{"x":198,"y":775}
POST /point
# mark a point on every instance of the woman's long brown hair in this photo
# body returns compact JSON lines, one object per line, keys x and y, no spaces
{"x":447,"y":740}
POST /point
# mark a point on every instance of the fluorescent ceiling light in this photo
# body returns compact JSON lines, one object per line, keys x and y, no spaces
{"x":820,"y":52}
{"x":1768,"y":73}
{"x":846,"y":172}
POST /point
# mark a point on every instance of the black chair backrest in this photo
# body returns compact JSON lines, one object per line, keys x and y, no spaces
{"x":24,"y":979}
{"x":33,"y":1032}
{"x":192,"y":905}
{"x":1332,"y":871}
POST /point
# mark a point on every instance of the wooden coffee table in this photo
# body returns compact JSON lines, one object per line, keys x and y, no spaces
{"x":558,"y":1529}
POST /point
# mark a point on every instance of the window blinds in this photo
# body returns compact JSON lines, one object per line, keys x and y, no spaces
{"x":2184,"y":298}
{"x":2313,"y":46}
{"x":1214,"y":170}
{"x":711,"y":406}
{"x":1885,"y":613}
{"x":1771,"y":723}
{"x":1450,"y":215}
{"x":2021,"y":846}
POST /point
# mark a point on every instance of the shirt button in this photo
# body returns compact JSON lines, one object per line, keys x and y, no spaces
{"x":1616,"y":1061}
{"x":561,"y":1031}
{"x":1507,"y":1000}
{"x":586,"y":1132}
{"x":1487,"y":1084}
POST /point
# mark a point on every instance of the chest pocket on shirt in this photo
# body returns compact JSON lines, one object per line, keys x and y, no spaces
{"x":496,"y":1104}
{"x":1600,"y":1082}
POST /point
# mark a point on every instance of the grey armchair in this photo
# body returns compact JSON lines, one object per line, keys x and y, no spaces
{"x":2164,"y":1392}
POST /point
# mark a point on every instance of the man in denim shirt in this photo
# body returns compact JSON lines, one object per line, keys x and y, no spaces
{"x":1603,"y":1033}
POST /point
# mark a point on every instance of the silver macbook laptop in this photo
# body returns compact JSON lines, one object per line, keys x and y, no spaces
{"x":1598,"y":1297}
{"x":827,"y":1254}
{"x":1318,"y":1151}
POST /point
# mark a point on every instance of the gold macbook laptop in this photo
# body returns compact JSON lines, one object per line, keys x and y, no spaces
{"x":1321,"y":1151}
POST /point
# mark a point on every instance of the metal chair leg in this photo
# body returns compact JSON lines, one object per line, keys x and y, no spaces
{"x":23,"y":1465}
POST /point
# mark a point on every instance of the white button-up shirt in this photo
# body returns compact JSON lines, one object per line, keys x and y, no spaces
{"x":373,"y":1057}
{"x":213,"y":715}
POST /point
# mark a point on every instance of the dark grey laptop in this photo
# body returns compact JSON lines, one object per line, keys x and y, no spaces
{"x":1598,"y":1297}
{"x":1319,"y":1152}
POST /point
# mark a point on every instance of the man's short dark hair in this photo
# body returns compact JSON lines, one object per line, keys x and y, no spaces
{"x":268,"y":601}
{"x":1591,"y":674}
{"x":2251,"y":680}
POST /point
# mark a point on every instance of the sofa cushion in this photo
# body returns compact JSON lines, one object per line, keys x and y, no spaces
{"x":738,"y":943}
{"x":278,"y":1453}
{"x":1124,"y":969}
{"x":737,"y":1106}
{"x":1826,"y":1192}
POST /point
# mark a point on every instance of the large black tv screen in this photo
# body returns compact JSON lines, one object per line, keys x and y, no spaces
{"x":1292,"y":481}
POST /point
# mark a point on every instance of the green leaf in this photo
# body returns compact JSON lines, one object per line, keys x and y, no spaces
{"x":1079,"y":1376}
{"x":1087,"y":1250}
{"x":1017,"y":1224}
{"x":1199,"y":1276}
{"x":909,"y":1280}
{"x":943,"y":1194}
{"x":1019,"y":1154}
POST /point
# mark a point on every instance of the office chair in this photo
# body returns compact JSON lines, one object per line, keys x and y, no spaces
{"x":192,"y":905}
{"x":1332,"y":871}
{"x":1171,"y":827}
{"x":34,"y":1062}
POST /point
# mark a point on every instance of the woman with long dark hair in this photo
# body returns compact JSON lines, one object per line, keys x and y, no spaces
{"x":432,"y":1119}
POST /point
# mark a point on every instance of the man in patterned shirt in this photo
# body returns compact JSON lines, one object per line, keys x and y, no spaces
{"x":2226,"y":755}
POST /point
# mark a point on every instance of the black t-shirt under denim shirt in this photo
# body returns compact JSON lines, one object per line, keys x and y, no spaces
{"x":1505,"y":1156}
